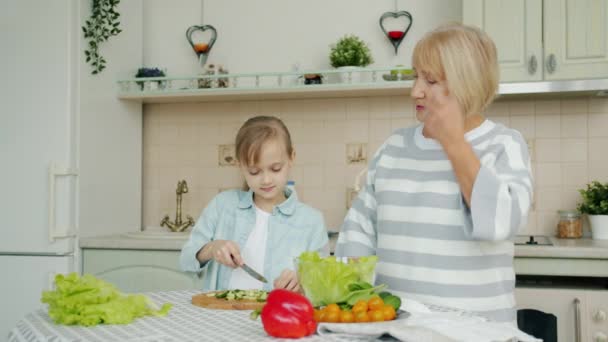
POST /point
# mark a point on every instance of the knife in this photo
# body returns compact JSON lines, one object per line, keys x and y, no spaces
{"x":253,"y":273}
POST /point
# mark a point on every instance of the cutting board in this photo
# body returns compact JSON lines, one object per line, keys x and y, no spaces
{"x":210,"y":302}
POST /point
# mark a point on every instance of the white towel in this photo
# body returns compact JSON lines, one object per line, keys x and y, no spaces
{"x":418,"y":323}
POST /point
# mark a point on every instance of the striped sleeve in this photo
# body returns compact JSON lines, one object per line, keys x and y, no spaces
{"x":502,"y":192}
{"x":358,"y":235}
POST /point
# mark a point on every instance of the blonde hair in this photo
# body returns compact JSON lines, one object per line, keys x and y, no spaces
{"x":465,"y":57}
{"x":257,"y":131}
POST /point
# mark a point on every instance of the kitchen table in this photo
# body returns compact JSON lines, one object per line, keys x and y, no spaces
{"x":185,"y":322}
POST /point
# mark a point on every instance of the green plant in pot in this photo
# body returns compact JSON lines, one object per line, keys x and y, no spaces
{"x":595,"y":205}
{"x":151,"y":72}
{"x":350,"y":52}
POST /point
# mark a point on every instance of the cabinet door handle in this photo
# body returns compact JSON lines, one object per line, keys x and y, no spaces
{"x":551,"y":63}
{"x":577,"y":320}
{"x":532,"y":65}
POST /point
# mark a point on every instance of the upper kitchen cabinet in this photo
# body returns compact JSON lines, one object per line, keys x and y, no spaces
{"x":545,"y":40}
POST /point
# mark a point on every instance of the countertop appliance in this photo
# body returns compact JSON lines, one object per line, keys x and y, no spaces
{"x":38,"y":137}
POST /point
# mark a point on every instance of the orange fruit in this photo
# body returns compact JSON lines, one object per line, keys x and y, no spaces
{"x":388,"y":312}
{"x":317,"y":315}
{"x":361,"y":317}
{"x":376,"y":315}
{"x":332,"y":316}
{"x":360,"y":306}
{"x":332,"y":308}
{"x":375,"y":303}
{"x":347,"y":317}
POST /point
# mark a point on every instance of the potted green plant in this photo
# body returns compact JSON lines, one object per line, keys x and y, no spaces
{"x":151,"y":72}
{"x":350,"y":52}
{"x":595,"y":205}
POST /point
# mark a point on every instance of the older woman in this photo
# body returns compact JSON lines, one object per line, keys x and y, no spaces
{"x":442,"y":199}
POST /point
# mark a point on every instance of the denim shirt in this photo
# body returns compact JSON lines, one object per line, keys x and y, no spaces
{"x":293,"y":228}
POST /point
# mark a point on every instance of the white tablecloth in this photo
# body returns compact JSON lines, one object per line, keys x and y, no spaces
{"x":185,"y":322}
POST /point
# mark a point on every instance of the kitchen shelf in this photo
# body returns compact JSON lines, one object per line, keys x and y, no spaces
{"x":264,"y":86}
{"x":290,"y":85}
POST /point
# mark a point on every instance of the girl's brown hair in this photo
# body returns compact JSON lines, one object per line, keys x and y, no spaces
{"x":257,"y":131}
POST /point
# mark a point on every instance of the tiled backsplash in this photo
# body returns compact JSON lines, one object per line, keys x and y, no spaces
{"x":334,"y":138}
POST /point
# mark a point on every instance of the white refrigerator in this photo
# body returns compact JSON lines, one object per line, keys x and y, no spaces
{"x":70,"y":151}
{"x":38,"y":146}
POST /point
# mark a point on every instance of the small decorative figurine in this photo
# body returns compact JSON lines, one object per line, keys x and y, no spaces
{"x":396,"y":36}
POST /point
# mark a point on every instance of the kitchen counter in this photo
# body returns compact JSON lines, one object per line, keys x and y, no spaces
{"x":139,"y":241}
{"x":566,"y":248}
{"x":561,"y":248}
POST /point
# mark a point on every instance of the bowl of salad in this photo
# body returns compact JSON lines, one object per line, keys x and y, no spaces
{"x":326,"y":280}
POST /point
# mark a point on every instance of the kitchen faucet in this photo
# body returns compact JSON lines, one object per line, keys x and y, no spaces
{"x":178,"y":225}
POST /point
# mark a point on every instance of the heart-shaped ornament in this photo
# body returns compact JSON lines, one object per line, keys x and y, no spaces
{"x":395,"y":36}
{"x":200,"y":47}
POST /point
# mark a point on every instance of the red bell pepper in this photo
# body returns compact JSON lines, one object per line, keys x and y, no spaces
{"x":288,"y":314}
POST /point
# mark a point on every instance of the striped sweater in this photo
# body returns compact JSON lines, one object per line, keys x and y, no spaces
{"x":431,"y":246}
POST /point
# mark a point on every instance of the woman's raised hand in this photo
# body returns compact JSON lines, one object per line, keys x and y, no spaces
{"x":444,"y":120}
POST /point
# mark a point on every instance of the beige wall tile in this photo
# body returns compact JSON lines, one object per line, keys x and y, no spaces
{"x":357,"y":109}
{"x":574,"y":174}
{"x":546,"y":222}
{"x":334,"y":176}
{"x":401,"y":107}
{"x":597,"y":124}
{"x":525,"y":124}
{"x":598,"y":149}
{"x":574,"y":125}
{"x":547,"y":107}
{"x":574,"y":150}
{"x":334,"y":132}
{"x":357,"y":131}
{"x":497,"y":109}
{"x":379,"y":108}
{"x":548,"y":150}
{"x":309,"y":154}
{"x":310,"y":132}
{"x":598,"y":105}
{"x":575,"y":106}
{"x":333,"y":109}
{"x":379,"y":130}
{"x":521,"y":107}
{"x":570,"y":197}
{"x":569,"y":138}
{"x":312,"y":176}
{"x":548,"y":174}
{"x":548,"y":126}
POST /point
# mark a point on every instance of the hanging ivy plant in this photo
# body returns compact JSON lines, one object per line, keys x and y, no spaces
{"x":101,"y":25}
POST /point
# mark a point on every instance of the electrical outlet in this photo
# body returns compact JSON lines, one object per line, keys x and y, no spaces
{"x":226,"y":155}
{"x":356,"y":153}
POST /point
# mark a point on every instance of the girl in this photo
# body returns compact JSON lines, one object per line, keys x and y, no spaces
{"x":264,"y":227}
{"x":444,"y":198}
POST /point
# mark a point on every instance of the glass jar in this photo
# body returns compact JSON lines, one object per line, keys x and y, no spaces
{"x":570,"y":225}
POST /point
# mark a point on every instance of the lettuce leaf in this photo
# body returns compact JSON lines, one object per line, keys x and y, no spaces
{"x":327,"y":280}
{"x":90,"y":301}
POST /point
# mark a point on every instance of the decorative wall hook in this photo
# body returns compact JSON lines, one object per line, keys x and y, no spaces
{"x":396,"y":36}
{"x":201,"y":49}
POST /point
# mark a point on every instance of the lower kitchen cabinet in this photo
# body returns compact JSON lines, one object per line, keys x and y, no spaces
{"x":139,"y":270}
{"x":581,"y":312}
